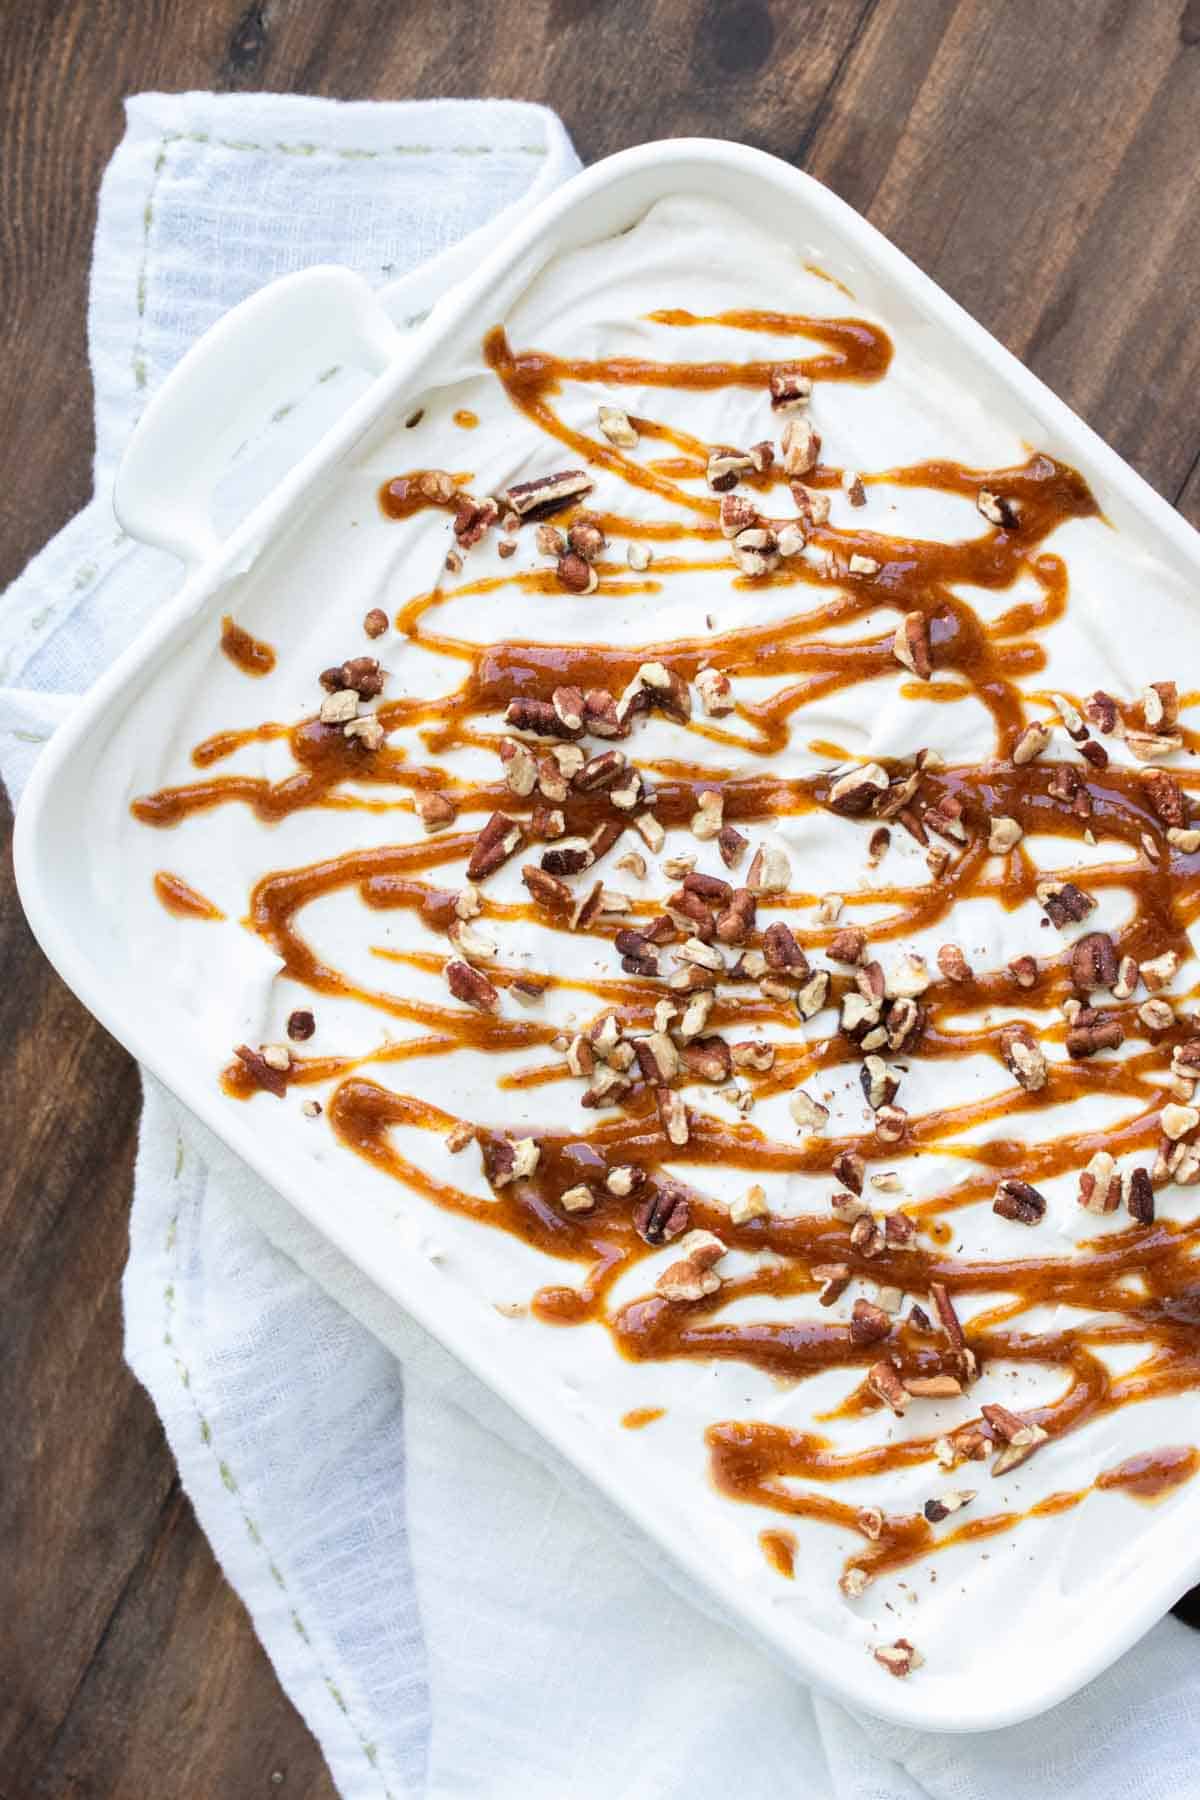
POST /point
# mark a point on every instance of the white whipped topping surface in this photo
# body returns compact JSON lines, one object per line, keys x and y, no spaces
{"x":1130,"y":620}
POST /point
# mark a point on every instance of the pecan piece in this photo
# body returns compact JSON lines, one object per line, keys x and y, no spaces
{"x":790,"y":388}
{"x":1166,"y":797}
{"x":538,"y":718}
{"x":998,"y":509}
{"x":869,"y":1324}
{"x":1093,"y":1032}
{"x":1065,"y":903}
{"x":1023,"y":1057}
{"x":1018,"y":1201}
{"x":494,"y":845}
{"x":884,"y":1382}
{"x":664,"y":1215}
{"x":266,"y":1071}
{"x":1094,"y":962}
{"x":547,"y":494}
{"x":911,"y":645}
{"x":471,"y":987}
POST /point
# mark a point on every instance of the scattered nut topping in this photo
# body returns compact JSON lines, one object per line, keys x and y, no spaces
{"x":471,"y":986}
{"x":1100,"y":1184}
{"x":340,"y":707}
{"x":854,"y":791}
{"x":953,"y":964}
{"x":638,"y":556}
{"x":709,"y":816}
{"x":1023,"y":1057}
{"x":887,"y":1386}
{"x":1065,"y":903}
{"x":900,"y":1658}
{"x":911,"y":644}
{"x":459,"y":1136}
{"x":1018,"y":1201}
{"x":800,"y":446}
{"x":998,"y":510}
{"x":1004,"y":834}
{"x":1160,"y":971}
{"x":715,"y":692}
{"x":616,"y":427}
{"x":376,"y":622}
{"x":547,"y":493}
{"x":869,"y":1324}
{"x":750,"y":1205}
{"x":791,"y":389}
{"x":950,"y":1502}
{"x":500,"y":837}
{"x":808,"y":1113}
{"x":1030,"y":744}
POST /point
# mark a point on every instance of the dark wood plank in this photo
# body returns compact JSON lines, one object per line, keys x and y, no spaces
{"x":1035,"y":158}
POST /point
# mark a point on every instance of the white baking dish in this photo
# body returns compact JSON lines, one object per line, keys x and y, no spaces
{"x":163,"y":496}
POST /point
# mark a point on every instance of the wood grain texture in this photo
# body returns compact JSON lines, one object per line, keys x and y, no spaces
{"x":1036,"y":158}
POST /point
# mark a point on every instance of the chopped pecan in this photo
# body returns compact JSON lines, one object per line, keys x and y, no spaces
{"x":638,"y":955}
{"x":944,"y":1504}
{"x":869,"y":1324}
{"x":1102,"y":712}
{"x":725,"y":466}
{"x":783,"y":951}
{"x":708,"y":1059}
{"x":911,"y":645}
{"x":884,"y":1382}
{"x":673,"y":1114}
{"x":1093,"y":1032}
{"x":538,"y":718}
{"x":953,"y":964}
{"x":948,"y":1318}
{"x":849,"y":1169}
{"x":1018,"y":1201}
{"x":616,"y":426}
{"x":1030,"y":744}
{"x":547,"y":494}
{"x":494,"y":845}
{"x":847,"y":945}
{"x":1065,"y":903}
{"x":471,"y":987}
{"x":664,"y":1215}
{"x":756,"y":550}
{"x":1024,"y":971}
{"x":716,"y":693}
{"x":998,"y":509}
{"x":1094,"y":962}
{"x":267,"y":1072}
{"x":855,"y":791}
{"x":880,"y":1083}
{"x":800,"y":447}
{"x":790,"y":388}
{"x":834,"y":1279}
{"x":570,"y":856}
{"x":1139,"y":1196}
{"x":520,"y":769}
{"x":1100,"y":1184}
{"x":1158,"y":972}
{"x":1166,"y":796}
{"x":576,"y":574}
{"x":1023,"y":1057}
{"x":435,"y":811}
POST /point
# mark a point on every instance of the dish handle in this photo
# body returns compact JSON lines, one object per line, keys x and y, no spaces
{"x":239,"y":371}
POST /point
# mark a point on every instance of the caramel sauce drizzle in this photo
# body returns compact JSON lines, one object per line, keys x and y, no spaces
{"x":184,"y":901}
{"x":247,"y":653}
{"x":1135,"y":1286}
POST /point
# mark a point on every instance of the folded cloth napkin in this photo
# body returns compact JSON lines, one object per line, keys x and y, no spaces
{"x":453,"y":1612}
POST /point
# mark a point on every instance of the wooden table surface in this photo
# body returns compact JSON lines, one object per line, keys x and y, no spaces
{"x":1036,"y":157}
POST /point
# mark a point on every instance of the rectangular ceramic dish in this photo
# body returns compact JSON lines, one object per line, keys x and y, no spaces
{"x":994,"y":1673}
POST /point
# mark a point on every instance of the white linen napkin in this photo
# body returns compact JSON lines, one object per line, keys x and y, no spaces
{"x":453,"y":1612}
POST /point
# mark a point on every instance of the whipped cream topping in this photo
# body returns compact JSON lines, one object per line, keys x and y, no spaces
{"x":770,"y":1348}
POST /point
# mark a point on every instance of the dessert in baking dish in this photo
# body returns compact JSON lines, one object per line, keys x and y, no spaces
{"x":711,"y":809}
